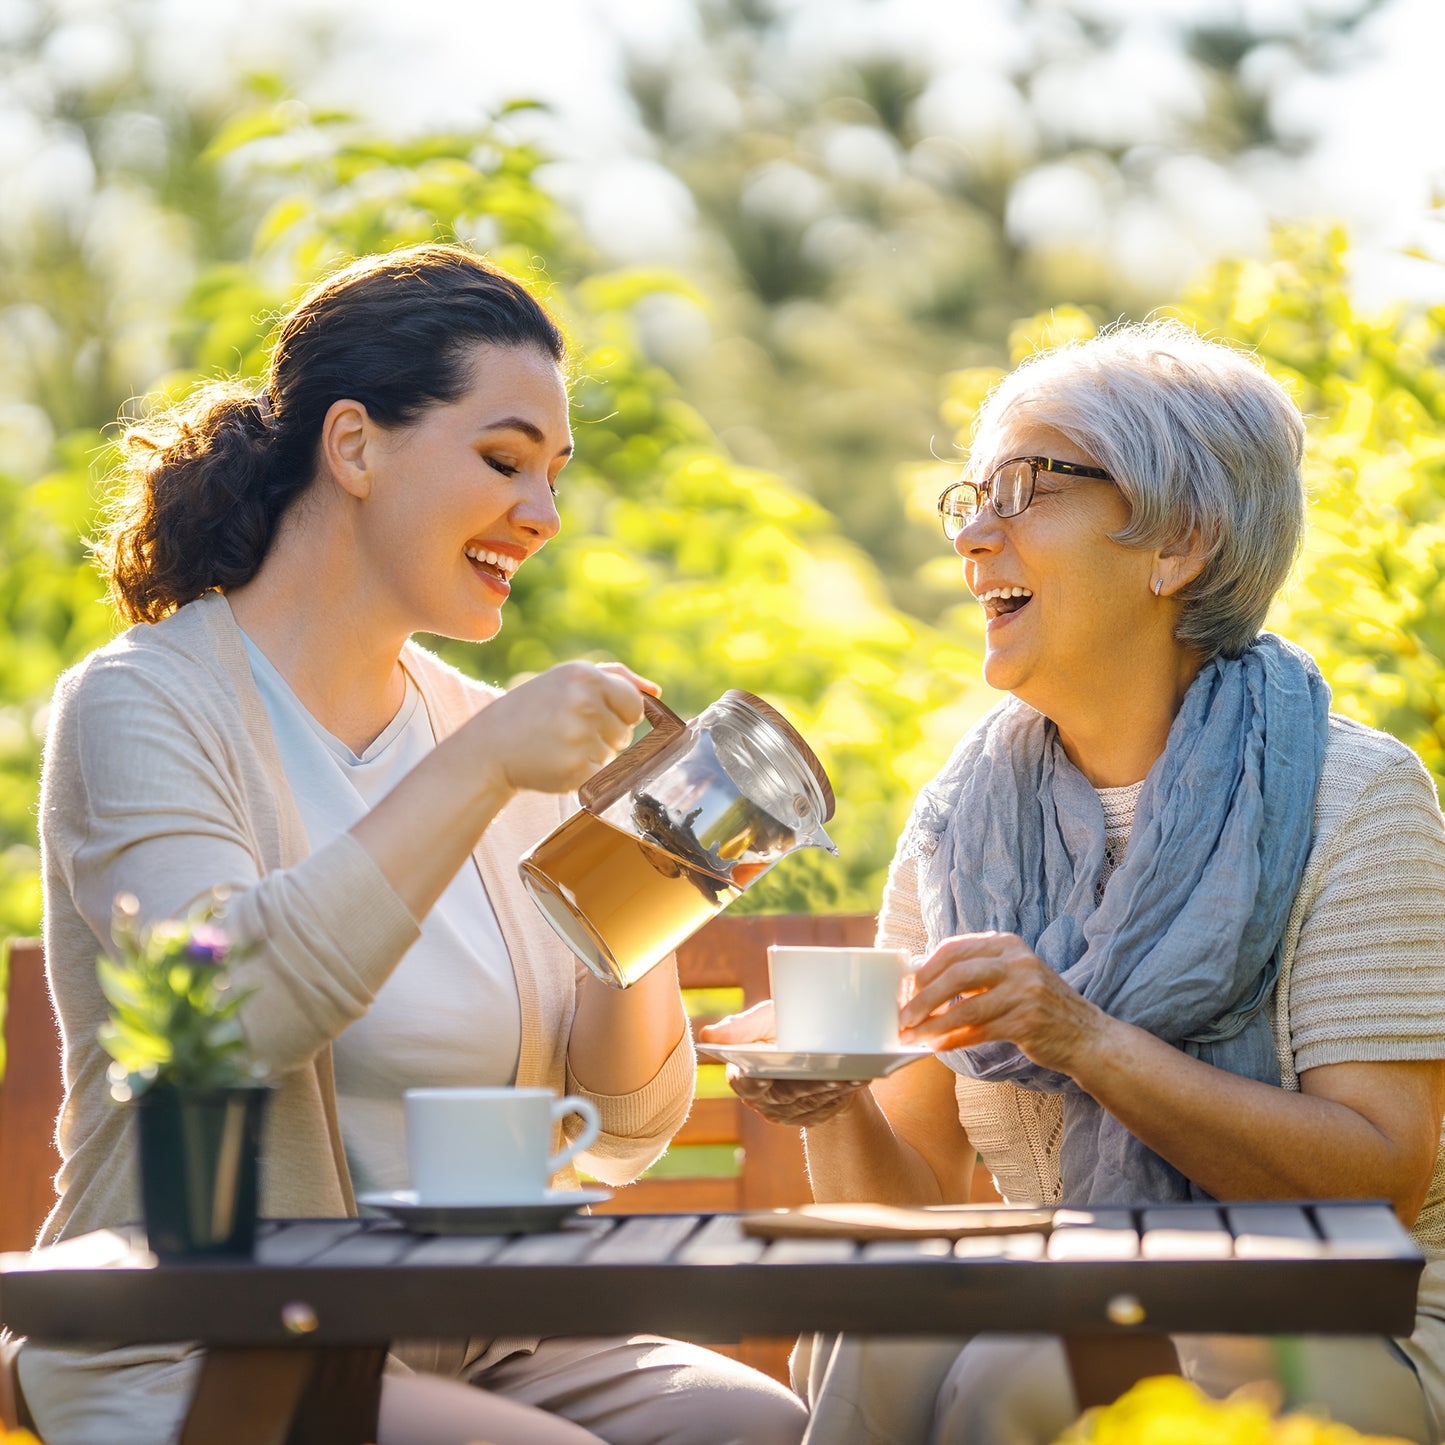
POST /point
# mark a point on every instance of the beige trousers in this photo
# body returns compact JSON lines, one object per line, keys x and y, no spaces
{"x":638,"y":1390}
{"x":642,"y":1390}
{"x":1016,"y":1390}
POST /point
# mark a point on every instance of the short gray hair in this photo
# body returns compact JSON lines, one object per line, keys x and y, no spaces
{"x":1200,"y":439}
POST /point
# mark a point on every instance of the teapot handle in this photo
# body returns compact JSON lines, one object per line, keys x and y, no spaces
{"x":608,"y":784}
{"x":662,"y":717}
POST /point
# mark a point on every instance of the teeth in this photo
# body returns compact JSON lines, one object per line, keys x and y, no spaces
{"x":996,"y":594}
{"x":505,"y":565}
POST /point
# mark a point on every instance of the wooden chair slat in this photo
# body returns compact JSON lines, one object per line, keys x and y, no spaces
{"x":712,"y":1121}
{"x":30,"y":1095}
{"x":673,"y":1196}
{"x":731,"y":952}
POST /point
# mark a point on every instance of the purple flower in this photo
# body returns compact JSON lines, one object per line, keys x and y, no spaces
{"x":207,"y":944}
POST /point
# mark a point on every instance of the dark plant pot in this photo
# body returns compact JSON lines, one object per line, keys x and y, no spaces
{"x":199,"y":1161}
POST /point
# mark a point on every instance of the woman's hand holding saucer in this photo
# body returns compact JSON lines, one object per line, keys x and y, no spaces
{"x":979,"y":987}
{"x":798,"y":1103}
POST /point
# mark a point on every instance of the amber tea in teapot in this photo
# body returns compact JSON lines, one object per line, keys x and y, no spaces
{"x":633,"y":902}
{"x":674,"y":830}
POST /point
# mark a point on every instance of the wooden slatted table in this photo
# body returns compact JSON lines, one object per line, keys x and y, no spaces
{"x":303,"y":1326}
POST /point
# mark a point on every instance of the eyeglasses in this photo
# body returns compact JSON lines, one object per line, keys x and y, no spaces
{"x":1010,"y":487}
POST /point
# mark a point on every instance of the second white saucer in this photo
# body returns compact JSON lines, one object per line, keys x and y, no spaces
{"x":523,"y":1217}
{"x":767,"y":1061}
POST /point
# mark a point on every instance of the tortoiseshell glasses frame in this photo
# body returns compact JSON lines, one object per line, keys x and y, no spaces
{"x":1009,"y":487}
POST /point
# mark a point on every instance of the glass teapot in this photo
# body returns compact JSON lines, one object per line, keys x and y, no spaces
{"x":674,"y":829}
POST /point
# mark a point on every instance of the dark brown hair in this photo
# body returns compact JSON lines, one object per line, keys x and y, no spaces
{"x":203,"y":484}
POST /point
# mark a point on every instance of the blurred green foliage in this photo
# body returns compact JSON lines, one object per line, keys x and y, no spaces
{"x":873,"y":215}
{"x":1369,"y":594}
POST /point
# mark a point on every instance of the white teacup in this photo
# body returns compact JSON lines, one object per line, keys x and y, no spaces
{"x":489,"y":1146}
{"x":836,"y":1000}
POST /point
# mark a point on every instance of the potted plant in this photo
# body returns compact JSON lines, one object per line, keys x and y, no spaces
{"x":1169,"y":1410}
{"x":181,"y":1062}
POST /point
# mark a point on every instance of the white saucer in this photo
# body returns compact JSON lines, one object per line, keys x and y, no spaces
{"x":524,"y":1217}
{"x":768,"y":1061}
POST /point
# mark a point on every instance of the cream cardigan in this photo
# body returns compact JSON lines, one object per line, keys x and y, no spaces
{"x":162,"y":779}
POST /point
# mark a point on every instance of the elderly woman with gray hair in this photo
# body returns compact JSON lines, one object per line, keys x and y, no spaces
{"x":1180,"y":930}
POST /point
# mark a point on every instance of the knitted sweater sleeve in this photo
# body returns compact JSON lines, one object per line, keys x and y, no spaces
{"x":1367,"y":979}
{"x":900,"y":919}
{"x":638,"y":1127}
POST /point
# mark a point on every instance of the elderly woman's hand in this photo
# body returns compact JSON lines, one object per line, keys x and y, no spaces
{"x":980,"y":987}
{"x":800,"y":1103}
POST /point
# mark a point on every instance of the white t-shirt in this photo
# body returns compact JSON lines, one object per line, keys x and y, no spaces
{"x":449,"y":1013}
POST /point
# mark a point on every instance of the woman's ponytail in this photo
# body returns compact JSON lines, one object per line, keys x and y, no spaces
{"x":197,"y":498}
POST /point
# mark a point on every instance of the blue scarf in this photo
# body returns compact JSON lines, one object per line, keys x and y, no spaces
{"x":1186,"y":940}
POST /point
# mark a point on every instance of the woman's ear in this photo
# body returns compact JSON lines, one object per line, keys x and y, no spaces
{"x":346,"y":432}
{"x":1177,"y":565}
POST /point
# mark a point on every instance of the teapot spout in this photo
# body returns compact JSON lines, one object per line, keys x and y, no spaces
{"x":819,"y":839}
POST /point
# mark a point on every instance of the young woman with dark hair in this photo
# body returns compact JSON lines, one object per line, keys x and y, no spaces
{"x":269,"y":727}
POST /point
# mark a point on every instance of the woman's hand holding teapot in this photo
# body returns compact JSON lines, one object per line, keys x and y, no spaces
{"x":552,"y":732}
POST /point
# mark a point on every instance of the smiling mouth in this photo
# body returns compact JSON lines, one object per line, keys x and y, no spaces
{"x":496,"y":564}
{"x":1003,"y":601}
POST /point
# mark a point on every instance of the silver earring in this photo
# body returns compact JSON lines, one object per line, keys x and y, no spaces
{"x":1158,"y":583}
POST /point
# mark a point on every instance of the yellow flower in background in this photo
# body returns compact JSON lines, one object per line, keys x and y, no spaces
{"x":1169,"y":1410}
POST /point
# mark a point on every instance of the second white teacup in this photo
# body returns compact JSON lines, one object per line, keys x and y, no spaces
{"x":489,"y":1146}
{"x":836,"y":1000}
